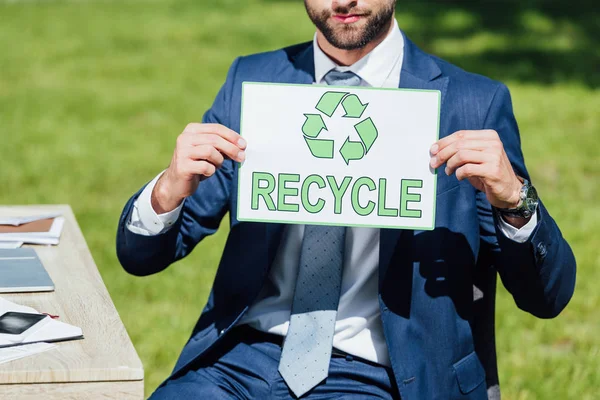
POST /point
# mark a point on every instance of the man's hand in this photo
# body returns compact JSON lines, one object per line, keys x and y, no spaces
{"x":199,"y":152}
{"x":479,"y":156}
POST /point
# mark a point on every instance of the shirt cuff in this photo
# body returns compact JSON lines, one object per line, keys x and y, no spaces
{"x":519,"y":235}
{"x":144,"y":220}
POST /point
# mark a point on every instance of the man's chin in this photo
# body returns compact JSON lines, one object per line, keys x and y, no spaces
{"x":347,"y":43}
{"x":347,"y":38}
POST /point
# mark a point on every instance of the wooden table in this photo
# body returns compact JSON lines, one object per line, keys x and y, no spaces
{"x":104,"y":365}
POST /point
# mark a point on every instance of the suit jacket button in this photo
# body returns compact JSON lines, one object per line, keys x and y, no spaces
{"x":541,"y":250}
{"x":222,"y":332}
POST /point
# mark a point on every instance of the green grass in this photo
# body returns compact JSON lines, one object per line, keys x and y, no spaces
{"x":93,"y":95}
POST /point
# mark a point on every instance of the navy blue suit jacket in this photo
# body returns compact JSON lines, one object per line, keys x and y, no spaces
{"x":425,"y":278}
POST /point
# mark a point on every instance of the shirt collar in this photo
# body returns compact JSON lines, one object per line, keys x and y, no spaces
{"x":374,"y":68}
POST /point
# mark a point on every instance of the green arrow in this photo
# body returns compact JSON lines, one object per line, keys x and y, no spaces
{"x":329,"y":102}
{"x":353,"y":106}
{"x":367,"y":131}
{"x":313,"y":125}
{"x":320,"y":148}
{"x":352,"y":151}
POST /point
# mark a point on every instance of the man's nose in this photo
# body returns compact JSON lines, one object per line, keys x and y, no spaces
{"x":344,"y":3}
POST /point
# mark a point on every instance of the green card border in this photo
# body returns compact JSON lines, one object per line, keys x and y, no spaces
{"x":416,"y":228}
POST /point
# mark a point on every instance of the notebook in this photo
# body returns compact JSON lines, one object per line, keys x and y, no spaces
{"x":21,"y":270}
{"x":40,"y":229}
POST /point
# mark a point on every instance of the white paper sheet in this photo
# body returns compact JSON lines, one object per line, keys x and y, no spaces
{"x":338,"y":156}
{"x":13,"y":353}
{"x":10,"y":245}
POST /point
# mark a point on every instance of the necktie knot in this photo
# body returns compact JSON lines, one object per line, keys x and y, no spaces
{"x":342,"y":78}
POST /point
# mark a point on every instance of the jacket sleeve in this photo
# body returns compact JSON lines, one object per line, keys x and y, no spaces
{"x":539,"y":273}
{"x":200,"y":216}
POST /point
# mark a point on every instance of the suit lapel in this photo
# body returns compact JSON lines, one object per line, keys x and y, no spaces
{"x":300,"y":68}
{"x":419,"y":71}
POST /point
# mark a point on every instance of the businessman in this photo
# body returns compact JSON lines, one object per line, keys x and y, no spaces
{"x":322,"y":312}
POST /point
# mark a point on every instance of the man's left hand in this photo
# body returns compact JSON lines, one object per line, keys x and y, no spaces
{"x":479,"y":156}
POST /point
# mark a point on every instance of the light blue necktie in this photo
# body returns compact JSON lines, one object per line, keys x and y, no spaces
{"x":307,"y":349}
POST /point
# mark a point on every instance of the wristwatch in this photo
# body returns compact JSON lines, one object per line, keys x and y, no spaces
{"x":527,"y":205}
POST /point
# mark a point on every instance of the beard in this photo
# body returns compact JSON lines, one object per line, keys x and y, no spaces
{"x":351,"y":37}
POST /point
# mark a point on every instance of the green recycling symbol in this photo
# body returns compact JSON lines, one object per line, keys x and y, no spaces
{"x":354,"y":108}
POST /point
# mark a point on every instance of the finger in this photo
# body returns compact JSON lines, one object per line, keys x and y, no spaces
{"x":203,"y":168}
{"x":217,"y":129}
{"x":207,"y":153}
{"x":447,"y":152}
{"x":226,"y":148}
{"x":458,"y":135}
{"x":470,"y":171}
{"x":463,"y":157}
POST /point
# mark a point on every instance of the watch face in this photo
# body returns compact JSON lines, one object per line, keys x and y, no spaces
{"x":532,"y":199}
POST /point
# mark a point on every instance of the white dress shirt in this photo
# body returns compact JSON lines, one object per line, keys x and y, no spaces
{"x":358,"y":328}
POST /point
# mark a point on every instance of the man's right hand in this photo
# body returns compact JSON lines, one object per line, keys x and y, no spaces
{"x":200,"y":151}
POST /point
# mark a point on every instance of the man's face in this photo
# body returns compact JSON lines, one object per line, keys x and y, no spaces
{"x":351,"y":24}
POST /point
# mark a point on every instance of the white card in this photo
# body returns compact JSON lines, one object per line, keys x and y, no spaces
{"x":332,"y":155}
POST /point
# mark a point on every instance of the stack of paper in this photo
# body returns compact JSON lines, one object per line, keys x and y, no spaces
{"x":49,"y":330}
{"x":37,"y":229}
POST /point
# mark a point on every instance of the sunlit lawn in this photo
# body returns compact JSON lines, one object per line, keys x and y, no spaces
{"x":93,"y":95}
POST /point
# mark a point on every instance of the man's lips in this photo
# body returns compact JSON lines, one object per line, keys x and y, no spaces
{"x":347,"y":18}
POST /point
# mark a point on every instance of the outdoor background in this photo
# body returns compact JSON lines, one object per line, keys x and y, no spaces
{"x":93,"y":95}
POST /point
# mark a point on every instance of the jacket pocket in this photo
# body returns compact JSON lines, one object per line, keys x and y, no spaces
{"x":469,"y":373}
